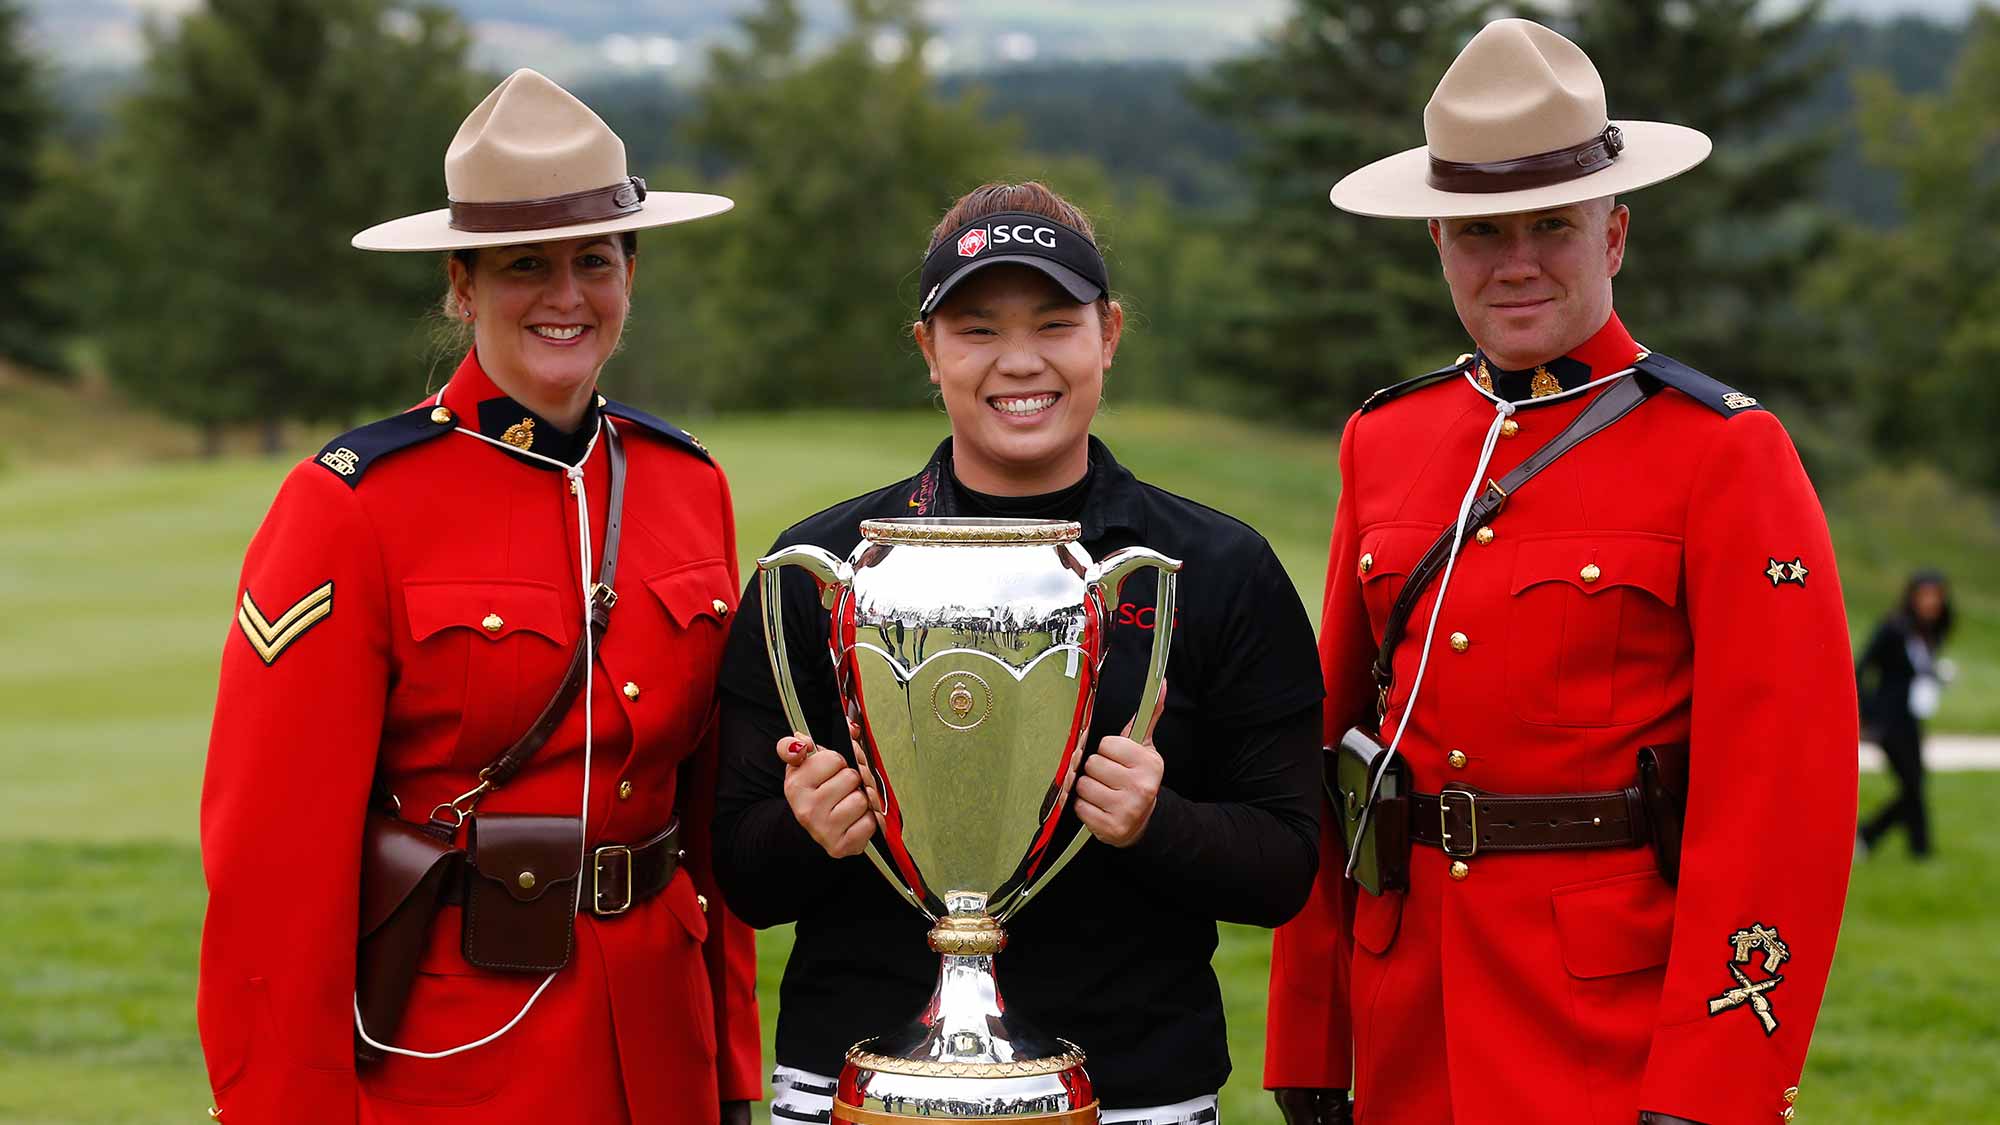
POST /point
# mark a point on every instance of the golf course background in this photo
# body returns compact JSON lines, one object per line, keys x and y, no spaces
{"x":117,"y":567}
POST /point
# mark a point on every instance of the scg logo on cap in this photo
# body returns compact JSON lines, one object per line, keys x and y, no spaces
{"x":972,"y":242}
{"x":1022,"y":232}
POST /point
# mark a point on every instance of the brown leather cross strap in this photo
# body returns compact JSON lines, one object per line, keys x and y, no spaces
{"x":590,"y":206}
{"x":1616,"y":401}
{"x":1463,"y":821}
{"x":1540,"y":170}
{"x":602,"y":598}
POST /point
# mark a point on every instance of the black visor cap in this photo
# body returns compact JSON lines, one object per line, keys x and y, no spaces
{"x":1018,"y":238}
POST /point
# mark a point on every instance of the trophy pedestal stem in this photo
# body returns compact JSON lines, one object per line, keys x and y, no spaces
{"x":965,"y":1058}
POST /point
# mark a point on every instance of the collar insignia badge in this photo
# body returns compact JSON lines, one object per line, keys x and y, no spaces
{"x":1544,"y":384}
{"x":344,"y":461}
{"x":520,"y":435}
{"x":1485,"y":378}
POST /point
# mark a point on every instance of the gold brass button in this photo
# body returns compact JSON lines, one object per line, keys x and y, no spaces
{"x":1785,"y":1114}
{"x":1483,"y":536}
{"x":1460,"y":869}
{"x":1590,"y":573}
{"x":624,"y":790}
{"x":721,"y":607}
{"x":441,"y":416}
{"x":1367,"y":563}
{"x":1460,"y":642}
{"x":1509,"y":428}
{"x":632,"y":691}
{"x":527,"y":880}
{"x":702,"y":901}
{"x":1457,"y":759}
{"x":492,"y":623}
{"x":1791,"y":1095}
{"x":572,"y":486}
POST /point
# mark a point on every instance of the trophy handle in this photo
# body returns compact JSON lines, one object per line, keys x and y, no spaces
{"x":1112,"y":571}
{"x":833,"y":576}
{"x":1107,"y":575}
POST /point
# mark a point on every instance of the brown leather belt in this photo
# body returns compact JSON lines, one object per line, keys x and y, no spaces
{"x":1463,"y":822}
{"x":616,"y":877}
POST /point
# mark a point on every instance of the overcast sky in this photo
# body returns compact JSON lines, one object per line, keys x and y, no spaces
{"x":107,"y":31}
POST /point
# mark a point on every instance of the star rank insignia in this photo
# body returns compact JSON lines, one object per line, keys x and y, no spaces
{"x":271,"y":638}
{"x":1782,"y":572}
{"x":1754,"y":994}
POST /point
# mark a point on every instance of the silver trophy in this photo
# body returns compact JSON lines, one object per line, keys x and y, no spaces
{"x":967,"y":652}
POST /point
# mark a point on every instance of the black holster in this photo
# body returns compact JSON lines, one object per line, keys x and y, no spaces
{"x":1377,"y":837}
{"x":1663,"y":790}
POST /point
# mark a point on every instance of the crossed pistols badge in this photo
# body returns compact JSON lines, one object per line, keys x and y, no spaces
{"x":1754,"y":994}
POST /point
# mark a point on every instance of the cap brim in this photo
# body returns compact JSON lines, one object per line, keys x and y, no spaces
{"x":1073,"y":283}
{"x":432,"y":230}
{"x":1395,"y":187}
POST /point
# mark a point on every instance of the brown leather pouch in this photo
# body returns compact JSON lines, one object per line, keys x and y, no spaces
{"x":1380,"y":840}
{"x":405,"y":871}
{"x":1663,"y":790}
{"x":520,"y":898}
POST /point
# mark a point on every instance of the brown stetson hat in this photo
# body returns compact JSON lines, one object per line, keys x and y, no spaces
{"x":533,"y":164}
{"x":1518,"y":123}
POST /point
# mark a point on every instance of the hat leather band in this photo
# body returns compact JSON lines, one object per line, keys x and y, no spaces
{"x":1539,"y":170}
{"x":594,"y":205}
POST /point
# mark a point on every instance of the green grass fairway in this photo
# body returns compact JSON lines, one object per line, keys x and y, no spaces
{"x":116,"y":586}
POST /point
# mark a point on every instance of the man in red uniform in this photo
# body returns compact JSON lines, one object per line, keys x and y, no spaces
{"x":1666,"y":581}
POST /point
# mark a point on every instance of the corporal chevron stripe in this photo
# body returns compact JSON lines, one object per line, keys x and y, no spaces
{"x":270,"y":638}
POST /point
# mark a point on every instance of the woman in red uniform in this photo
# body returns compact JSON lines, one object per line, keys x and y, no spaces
{"x":414,"y":599}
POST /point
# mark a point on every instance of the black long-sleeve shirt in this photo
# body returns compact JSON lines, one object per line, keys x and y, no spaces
{"x":1114,"y":953}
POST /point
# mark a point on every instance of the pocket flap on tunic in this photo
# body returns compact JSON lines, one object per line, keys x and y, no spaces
{"x":1394,"y":549}
{"x":703,"y":589}
{"x":1595,"y":562}
{"x":494,"y":610}
{"x":1618,"y":925}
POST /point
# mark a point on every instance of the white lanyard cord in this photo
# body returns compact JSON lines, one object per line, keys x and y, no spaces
{"x":574,"y":473}
{"x":1502,"y":410}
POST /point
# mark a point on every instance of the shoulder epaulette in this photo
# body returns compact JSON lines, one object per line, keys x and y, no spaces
{"x":1719,"y":397}
{"x":1398,"y":390}
{"x":350,"y":454}
{"x":659,"y":427}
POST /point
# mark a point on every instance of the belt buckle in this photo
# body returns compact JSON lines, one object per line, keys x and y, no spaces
{"x":597,"y":880}
{"x":1471,"y":818}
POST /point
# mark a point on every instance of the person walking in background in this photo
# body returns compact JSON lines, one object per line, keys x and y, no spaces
{"x":484,"y":633}
{"x":1614,"y":743}
{"x":1899,"y":678}
{"x":1215,"y":818}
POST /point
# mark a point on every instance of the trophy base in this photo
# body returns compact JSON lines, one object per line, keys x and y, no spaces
{"x":965,"y":1059}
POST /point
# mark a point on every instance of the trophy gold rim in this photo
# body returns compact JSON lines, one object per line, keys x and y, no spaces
{"x":975,"y":532}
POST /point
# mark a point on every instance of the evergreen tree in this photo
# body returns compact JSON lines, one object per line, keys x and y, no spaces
{"x":264,"y":133}
{"x":1917,"y":307}
{"x":840,"y":161}
{"x":31,"y":320}
{"x":1338,"y":305}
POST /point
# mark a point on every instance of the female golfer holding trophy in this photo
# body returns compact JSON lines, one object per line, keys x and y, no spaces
{"x":992,"y":665}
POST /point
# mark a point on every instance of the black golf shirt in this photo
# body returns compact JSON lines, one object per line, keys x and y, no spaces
{"x":1114,"y":954}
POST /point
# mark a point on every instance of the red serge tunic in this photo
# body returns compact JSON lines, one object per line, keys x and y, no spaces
{"x":1668,"y":580}
{"x":408,"y":606}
